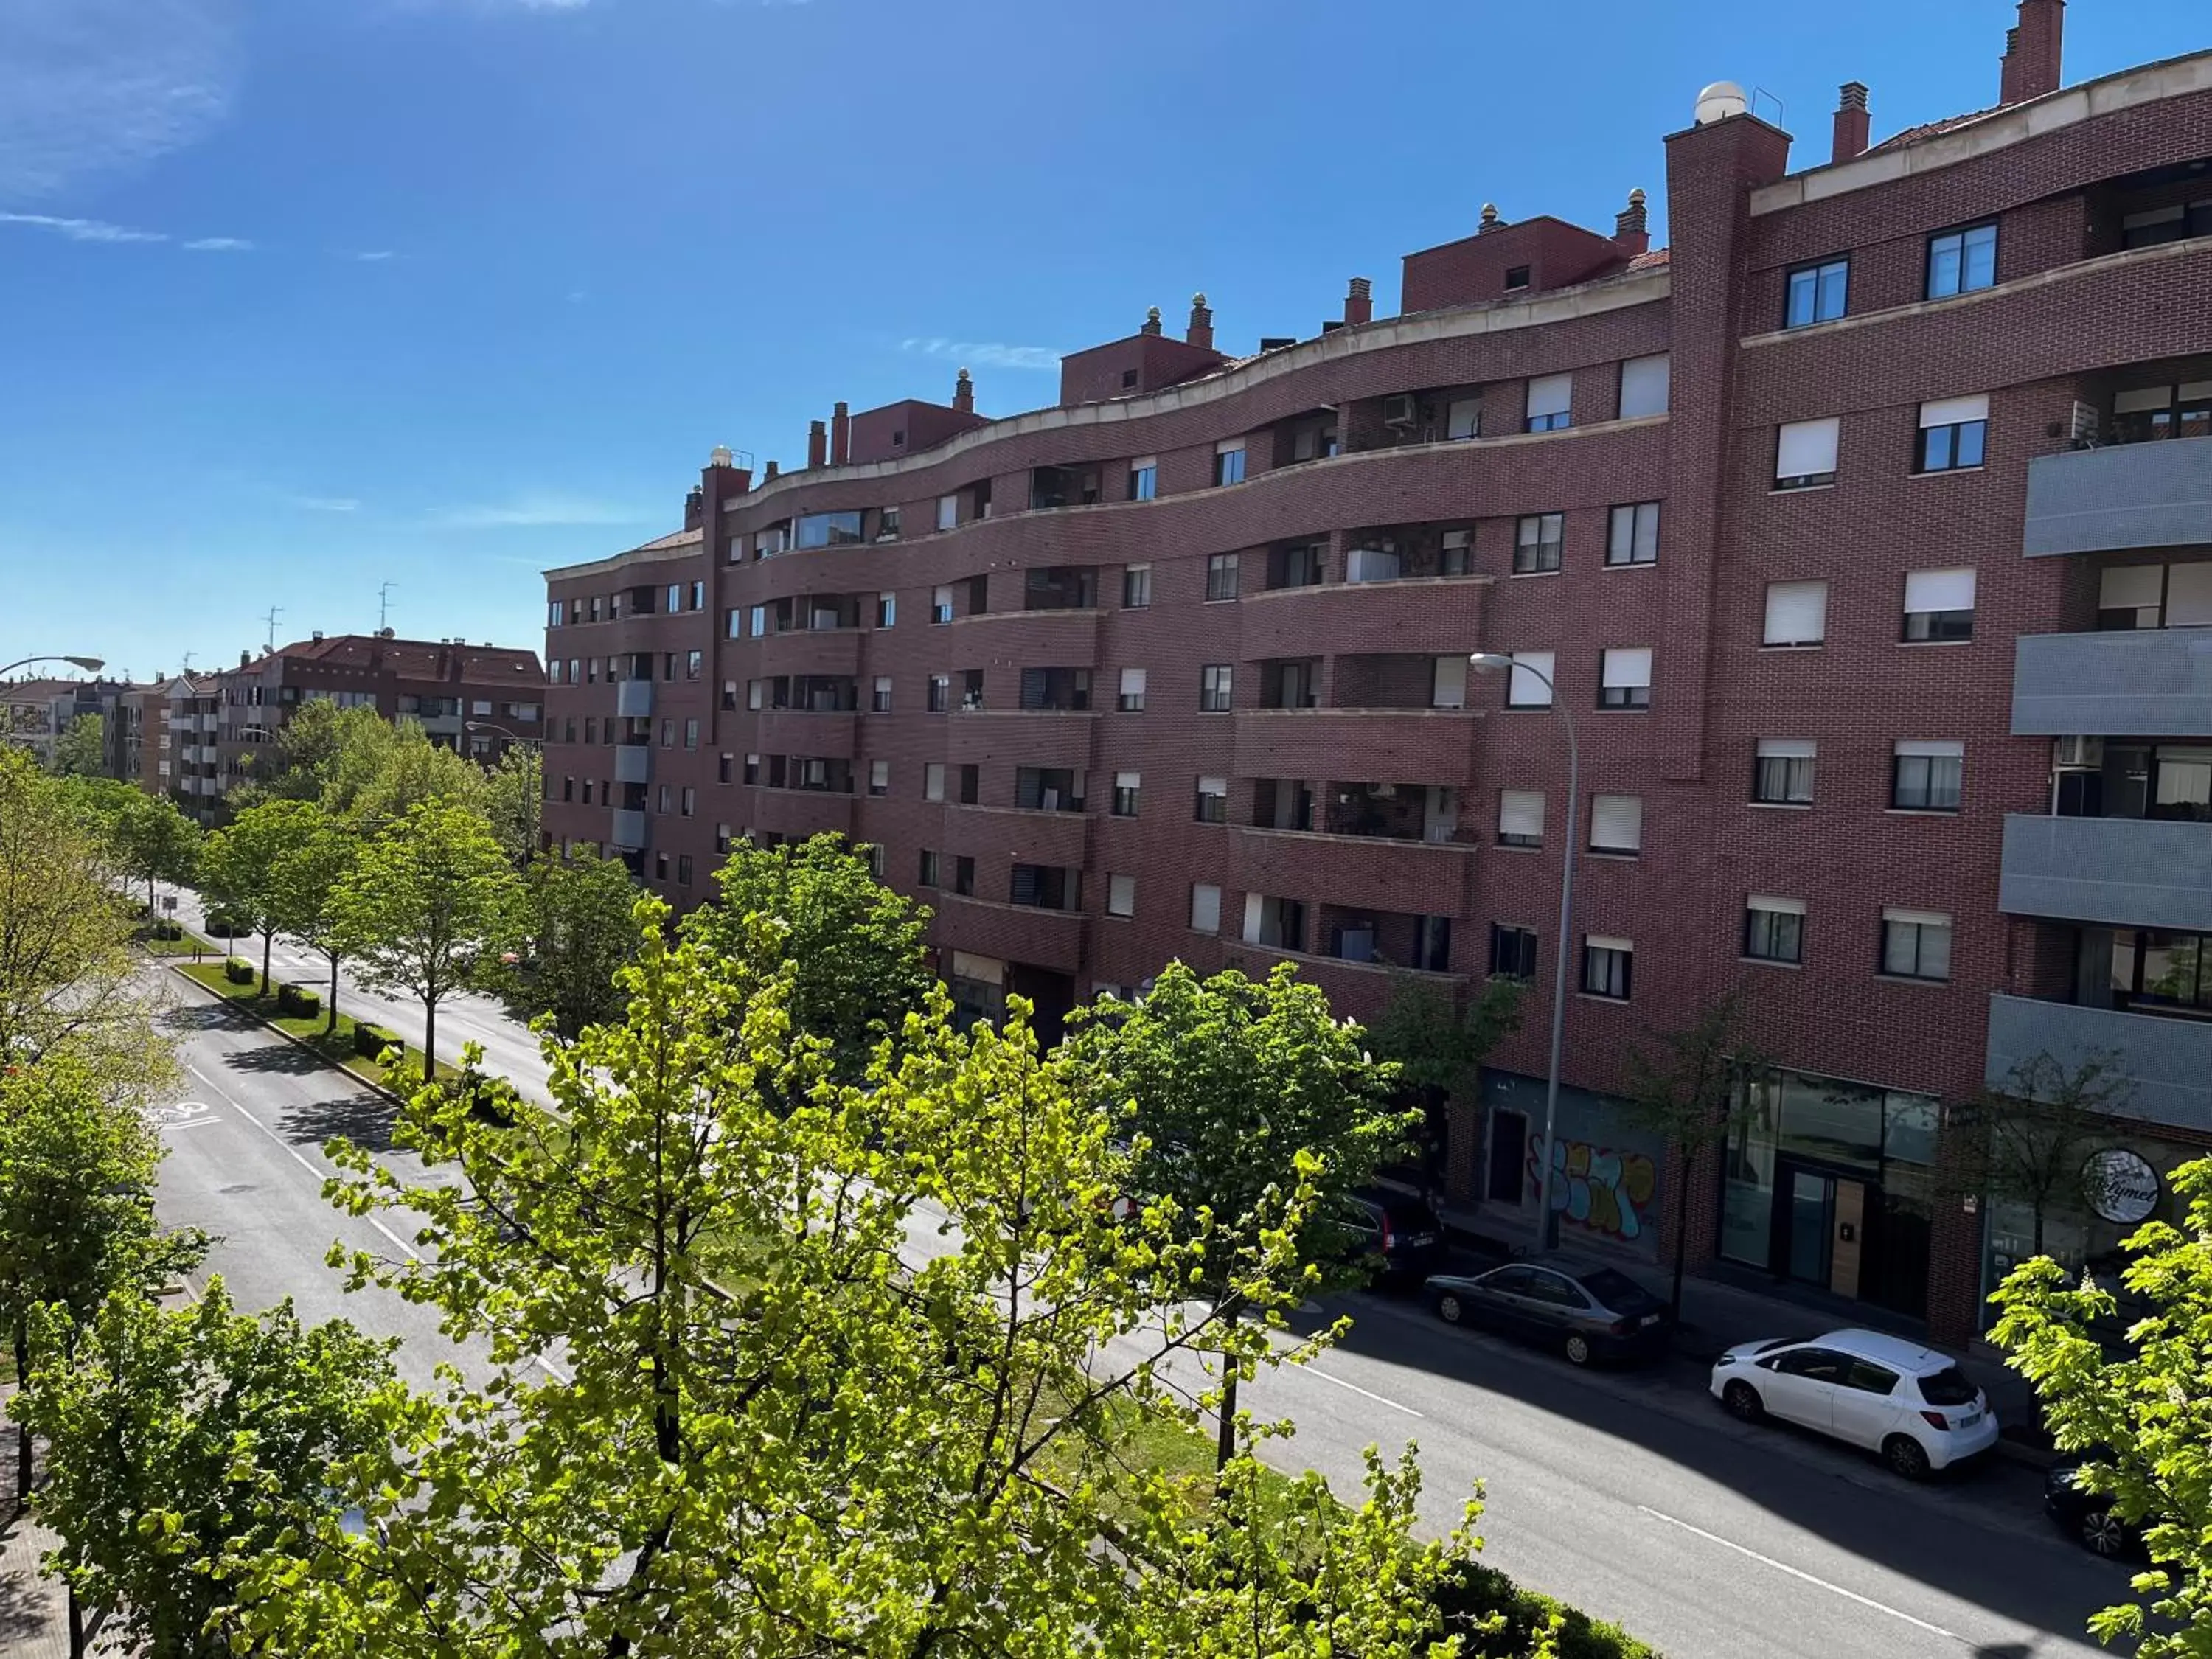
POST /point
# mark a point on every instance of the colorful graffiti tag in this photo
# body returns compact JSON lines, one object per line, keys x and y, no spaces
{"x":1599,"y":1188}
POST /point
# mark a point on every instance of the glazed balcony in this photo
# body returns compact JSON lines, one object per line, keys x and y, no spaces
{"x":2133,"y":873}
{"x":1418,"y":745}
{"x":633,"y":698}
{"x":2165,"y":1063}
{"x":633,"y":763}
{"x":2151,"y":682}
{"x":626,"y":829}
{"x":1012,"y":933}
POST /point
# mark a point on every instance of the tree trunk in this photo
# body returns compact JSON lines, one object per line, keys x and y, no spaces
{"x":268,"y":938}
{"x":331,"y":1024}
{"x":1682,"y":1230}
{"x":24,"y":1457}
{"x":430,"y":1041}
{"x":1225,"y":1444}
{"x":75,"y":1625}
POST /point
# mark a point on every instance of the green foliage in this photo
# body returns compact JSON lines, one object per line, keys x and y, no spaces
{"x":513,"y":800}
{"x":1493,"y":1616}
{"x":298,"y":1000}
{"x":425,"y":900}
{"x":2028,"y":1141}
{"x":81,"y":751}
{"x":2149,"y":1402}
{"x":221,"y":924}
{"x":1438,"y":1044}
{"x":581,"y":933}
{"x":852,"y":946}
{"x":241,"y":866}
{"x":302,"y":883}
{"x":370,"y":1041}
{"x":155,"y":842}
{"x":1681,"y":1085}
{"x":238,"y":971}
{"x":185,"y":1446}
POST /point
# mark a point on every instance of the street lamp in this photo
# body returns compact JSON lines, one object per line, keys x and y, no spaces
{"x":90,"y":665}
{"x":1494,"y":662}
{"x":537,"y":794}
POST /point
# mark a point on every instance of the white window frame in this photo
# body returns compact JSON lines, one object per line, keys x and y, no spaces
{"x":1627,"y":670}
{"x":1129,"y":698}
{"x":1616,"y":825}
{"x":1806,"y":453}
{"x":1551,"y":402}
{"x":1796,"y":616}
{"x":948,"y":512}
{"x":1520,"y":817}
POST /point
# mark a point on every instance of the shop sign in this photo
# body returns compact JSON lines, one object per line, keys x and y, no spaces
{"x":2120,"y":1186}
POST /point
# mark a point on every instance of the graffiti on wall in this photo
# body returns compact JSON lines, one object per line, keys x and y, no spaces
{"x":1601,"y":1187}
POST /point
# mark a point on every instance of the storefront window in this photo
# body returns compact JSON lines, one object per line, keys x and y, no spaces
{"x":2123,"y":1182}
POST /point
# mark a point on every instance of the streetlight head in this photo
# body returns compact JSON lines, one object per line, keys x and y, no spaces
{"x":90,"y":665}
{"x":1489,"y":662}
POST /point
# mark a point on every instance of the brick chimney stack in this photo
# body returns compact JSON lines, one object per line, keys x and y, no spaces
{"x":1490,"y":220}
{"x":840,"y":435}
{"x":2033,"y":51}
{"x":1201,"y":333}
{"x":1360,"y":303}
{"x":1853,"y":123}
{"x":817,"y":444}
{"x":1632,"y":227}
{"x":771,"y":471}
{"x":964,"y":393}
{"x":1152,"y":321}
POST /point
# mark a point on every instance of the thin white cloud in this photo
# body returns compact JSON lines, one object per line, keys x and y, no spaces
{"x":325,"y":503}
{"x":375,"y":256}
{"x":94,"y":86}
{"x":992,"y":353}
{"x":218,"y":244}
{"x":82,"y":230}
{"x":534,"y":513}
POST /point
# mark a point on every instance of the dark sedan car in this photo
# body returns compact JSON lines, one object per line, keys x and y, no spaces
{"x":1396,"y":1235}
{"x":1584,"y":1310}
{"x":2085,"y":1513}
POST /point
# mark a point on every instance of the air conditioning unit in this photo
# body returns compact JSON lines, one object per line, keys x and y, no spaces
{"x":1401,"y":410}
{"x":2082,"y":428}
{"x":2077,"y":754}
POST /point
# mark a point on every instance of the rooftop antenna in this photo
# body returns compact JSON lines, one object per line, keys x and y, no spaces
{"x":186,"y":671}
{"x":271,"y":620}
{"x":384,"y":604}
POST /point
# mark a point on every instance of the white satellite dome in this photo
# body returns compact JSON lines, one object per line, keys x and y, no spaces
{"x":1720,"y":101}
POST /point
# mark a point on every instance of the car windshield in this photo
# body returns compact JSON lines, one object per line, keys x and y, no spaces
{"x":1778,"y":1342}
{"x":1615,"y":1289}
{"x":1948,"y":1387}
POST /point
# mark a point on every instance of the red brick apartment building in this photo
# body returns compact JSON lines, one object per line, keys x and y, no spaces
{"x":1865,"y":532}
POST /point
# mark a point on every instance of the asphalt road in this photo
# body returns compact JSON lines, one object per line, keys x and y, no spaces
{"x":1629,"y":1495}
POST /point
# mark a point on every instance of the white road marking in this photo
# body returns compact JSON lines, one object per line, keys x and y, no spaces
{"x":1795,"y":1572}
{"x":1310,"y":1370}
{"x":192,"y":1123}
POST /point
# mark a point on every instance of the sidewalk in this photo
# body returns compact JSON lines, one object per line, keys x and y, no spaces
{"x":33,"y":1619}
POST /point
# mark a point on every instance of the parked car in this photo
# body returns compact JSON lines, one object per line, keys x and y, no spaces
{"x":1395,"y":1233}
{"x":2085,"y":1513}
{"x":1911,"y":1404}
{"x":1583,"y":1309}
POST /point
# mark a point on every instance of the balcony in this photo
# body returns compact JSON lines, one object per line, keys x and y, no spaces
{"x":1356,"y":990}
{"x":2132,"y":872}
{"x":2140,"y":495}
{"x":633,"y":763}
{"x":1021,"y":737}
{"x":2150,"y":682}
{"x":1014,"y":638}
{"x":1013,"y":932}
{"x":1409,"y":745}
{"x":797,"y":732}
{"x":798,"y":813}
{"x":634,"y":699}
{"x":1422,"y":615}
{"x":825,"y":651}
{"x":626,"y":830}
{"x":2168,"y":1062}
{"x":1364,"y":870}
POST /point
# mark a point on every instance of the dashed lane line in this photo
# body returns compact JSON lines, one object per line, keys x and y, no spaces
{"x":1798,"y":1572}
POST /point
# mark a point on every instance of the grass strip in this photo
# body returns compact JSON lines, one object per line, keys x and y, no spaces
{"x":333,"y":1044}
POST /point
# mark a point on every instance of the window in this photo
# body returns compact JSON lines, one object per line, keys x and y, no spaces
{"x":933,"y":780}
{"x":1624,"y":677}
{"x":721,"y":838}
{"x":660,"y":866}
{"x":940,"y":693}
{"x":1939,"y":605}
{"x":971,"y":688}
{"x":875,"y":857}
{"x":1783,"y":775}
{"x":826,"y":529}
{"x":1536,"y":542}
{"x":926,"y":872}
{"x":886,"y":609}
{"x":1915,"y":945}
{"x":1213,"y":801}
{"x":1953,"y":432}
{"x":1128,"y":790}
{"x":1774,"y":929}
{"x":1213,"y":688}
{"x":759,"y":617}
{"x":1529,"y":685}
{"x":1796,"y":614}
{"x":2166,"y":224}
{"x":1221,"y":576}
{"x":726,"y":768}
{"x":1448,"y":681}
{"x":1144,"y":479}
{"x":1633,"y":535}
{"x":693,"y":662}
{"x":879,"y":777}
{"x":1617,"y":824}
{"x":948,"y":512}
{"x":1643,"y":387}
{"x":879,"y":700}
{"x":661,"y":800}
{"x":1458,"y":552}
{"x":971,"y":782}
{"x":1805,"y":454}
{"x":1516,"y":276}
{"x":1928,"y":777}
{"x":688,"y":801}
{"x":1229,"y":461}
{"x":1520,"y":817}
{"x":1136,"y":586}
{"x":2142,"y":413}
{"x":691,"y":734}
{"x":1608,"y":967}
{"x":1129,"y":379}
{"x":1205,"y":908}
{"x":1961,"y":261}
{"x":1550,"y":400}
{"x":667,"y":668}
{"x":756,"y":694}
{"x":1817,"y":293}
{"x":940,"y":604}
{"x":1463,"y":418}
{"x":1131,"y":698}
{"x":733,"y":623}
{"x":752,"y":768}
{"x":1512,"y":952}
{"x":554,"y":676}
{"x":668,"y":733}
{"x":1121,"y":895}
{"x":963,"y":876}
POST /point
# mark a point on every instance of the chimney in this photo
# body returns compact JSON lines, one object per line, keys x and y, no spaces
{"x":817,"y":444}
{"x":840,"y":435}
{"x":1490,"y":220}
{"x":2033,"y":51}
{"x":770,"y":473}
{"x":1851,"y":123}
{"x":694,"y":507}
{"x":1359,"y":302}
{"x":964,"y":393}
{"x":1201,"y":324}
{"x":1152,"y":321}
{"x":246,"y":659}
{"x":318,"y":636}
{"x":1631,"y":232}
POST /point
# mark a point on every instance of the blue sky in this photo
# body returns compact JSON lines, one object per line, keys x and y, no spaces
{"x":298,"y":297}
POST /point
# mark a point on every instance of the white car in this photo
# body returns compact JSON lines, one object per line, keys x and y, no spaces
{"x":1912,"y":1404}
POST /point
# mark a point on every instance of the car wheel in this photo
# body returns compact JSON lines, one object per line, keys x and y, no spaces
{"x":1743,"y":1402}
{"x":1577,"y":1349}
{"x":1449,"y":1309}
{"x":1906,"y":1456}
{"x":2104,"y":1534}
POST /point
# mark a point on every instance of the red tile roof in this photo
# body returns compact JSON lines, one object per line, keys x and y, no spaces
{"x":415,"y":660}
{"x":1928,"y":130}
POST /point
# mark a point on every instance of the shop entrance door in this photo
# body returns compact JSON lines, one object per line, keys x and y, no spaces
{"x":1808,"y":1222}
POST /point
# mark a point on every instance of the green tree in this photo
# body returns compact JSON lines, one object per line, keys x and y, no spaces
{"x":2028,"y":1141}
{"x":513,"y":800}
{"x":839,"y":1453}
{"x":581,"y":931}
{"x":81,"y":751}
{"x":382,"y":771}
{"x":241,"y":867}
{"x":155,"y":842}
{"x":1235,"y":1089}
{"x":76,"y":1211}
{"x":303,"y":885}
{"x":853,"y":947}
{"x":427,"y":898}
{"x":183,"y":1447}
{"x":304,"y":760}
{"x":2147,"y":1404}
{"x":1438,"y":1045}
{"x":1681,"y":1085}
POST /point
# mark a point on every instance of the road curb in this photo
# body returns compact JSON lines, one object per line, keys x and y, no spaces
{"x":321,"y":1059}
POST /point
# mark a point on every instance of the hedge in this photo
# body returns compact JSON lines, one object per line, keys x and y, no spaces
{"x":299,"y":999}
{"x":370,"y":1041}
{"x":238,"y":972}
{"x":1475,"y":1591}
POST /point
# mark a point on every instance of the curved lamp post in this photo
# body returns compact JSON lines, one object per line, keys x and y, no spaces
{"x":90,"y":665}
{"x":1494,"y":662}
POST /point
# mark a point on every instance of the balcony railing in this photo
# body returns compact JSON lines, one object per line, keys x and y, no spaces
{"x":2164,"y":1064}
{"x":2147,"y":682}
{"x":2142,"y":494}
{"x":2132,"y":873}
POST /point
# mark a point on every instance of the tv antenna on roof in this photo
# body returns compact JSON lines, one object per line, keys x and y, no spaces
{"x":274,"y":612}
{"x":384,"y":604}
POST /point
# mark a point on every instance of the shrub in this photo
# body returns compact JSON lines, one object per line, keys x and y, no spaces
{"x":238,"y":972}
{"x":299,"y":999}
{"x":370,"y":1041}
{"x":1475,"y":1591}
